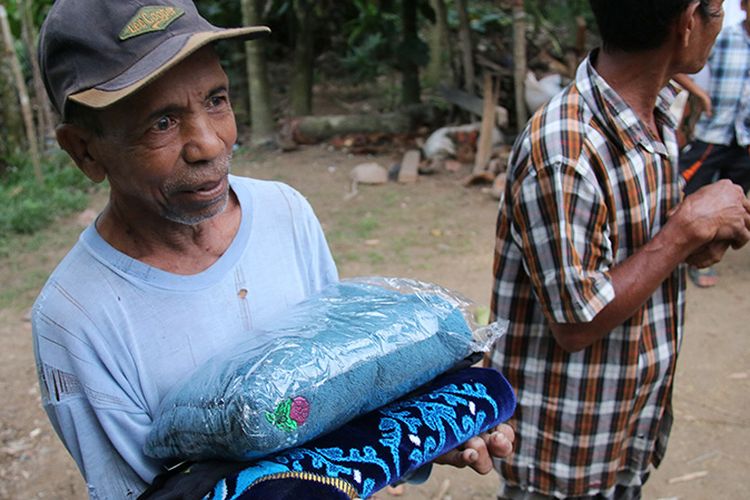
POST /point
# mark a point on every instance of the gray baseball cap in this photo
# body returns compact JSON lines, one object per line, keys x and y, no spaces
{"x":96,"y":52}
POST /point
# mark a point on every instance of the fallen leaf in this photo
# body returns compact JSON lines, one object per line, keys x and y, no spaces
{"x":688,"y":477}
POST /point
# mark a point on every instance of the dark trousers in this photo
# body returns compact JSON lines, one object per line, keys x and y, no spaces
{"x":702,"y":163}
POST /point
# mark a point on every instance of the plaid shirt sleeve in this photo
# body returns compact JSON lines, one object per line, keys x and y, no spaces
{"x":561,"y":225}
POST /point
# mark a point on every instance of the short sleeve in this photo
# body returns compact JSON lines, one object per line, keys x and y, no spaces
{"x":561,"y":224}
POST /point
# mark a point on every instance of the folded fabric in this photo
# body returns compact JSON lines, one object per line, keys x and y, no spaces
{"x":343,"y":352}
{"x":381,"y":447}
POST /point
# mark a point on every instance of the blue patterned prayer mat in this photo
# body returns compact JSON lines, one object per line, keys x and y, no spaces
{"x":381,"y":447}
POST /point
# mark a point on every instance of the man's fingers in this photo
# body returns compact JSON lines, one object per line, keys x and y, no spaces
{"x":477,"y":455}
{"x":500,"y":441}
{"x":479,"y":451}
{"x":458,"y":457}
{"x":710,"y":254}
{"x":472,"y":453}
{"x":507,"y":431}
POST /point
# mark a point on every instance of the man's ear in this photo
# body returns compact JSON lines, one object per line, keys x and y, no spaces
{"x":77,"y":142}
{"x":687,"y":23}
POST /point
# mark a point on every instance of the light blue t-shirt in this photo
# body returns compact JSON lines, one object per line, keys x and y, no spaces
{"x":112,"y":335}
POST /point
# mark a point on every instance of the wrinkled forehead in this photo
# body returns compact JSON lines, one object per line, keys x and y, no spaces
{"x":196,"y":77}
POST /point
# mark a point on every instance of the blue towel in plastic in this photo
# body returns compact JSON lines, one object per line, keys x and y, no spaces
{"x":340,"y":354}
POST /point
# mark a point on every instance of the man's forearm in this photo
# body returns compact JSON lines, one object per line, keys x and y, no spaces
{"x":634,"y":281}
{"x":688,"y":84}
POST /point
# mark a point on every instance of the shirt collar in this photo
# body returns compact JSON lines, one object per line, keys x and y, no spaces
{"x":615,"y":114}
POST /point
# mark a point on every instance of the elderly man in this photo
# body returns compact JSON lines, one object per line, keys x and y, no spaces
{"x":591,"y":237}
{"x":185,"y":259}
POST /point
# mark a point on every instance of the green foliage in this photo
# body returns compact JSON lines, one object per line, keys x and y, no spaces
{"x":361,"y":62}
{"x":413,"y":50}
{"x":375,"y":42}
{"x":556,"y":20}
{"x":39,"y":10}
{"x":372,"y":37}
{"x":28,"y":206}
{"x":483,"y":18}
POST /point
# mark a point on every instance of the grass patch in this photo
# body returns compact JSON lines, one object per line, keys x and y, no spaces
{"x":352,"y":227}
{"x":29,"y":210}
{"x":364,"y":228}
{"x":30,"y":205}
{"x":375,"y":258}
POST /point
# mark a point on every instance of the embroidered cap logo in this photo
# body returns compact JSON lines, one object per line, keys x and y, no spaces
{"x":149,"y":19}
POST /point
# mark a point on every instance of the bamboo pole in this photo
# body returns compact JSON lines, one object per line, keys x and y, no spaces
{"x":259,"y":88}
{"x":45,"y":121}
{"x":23,"y":95}
{"x":519,"y":62}
{"x":467,"y":50}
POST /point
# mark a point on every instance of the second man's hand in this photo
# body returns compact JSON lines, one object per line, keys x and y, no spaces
{"x":479,"y":451}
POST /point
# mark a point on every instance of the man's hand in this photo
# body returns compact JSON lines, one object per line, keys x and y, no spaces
{"x":705,"y":101}
{"x":689,"y":84}
{"x":714,"y":215}
{"x":478,"y":451}
{"x":708,"y":255}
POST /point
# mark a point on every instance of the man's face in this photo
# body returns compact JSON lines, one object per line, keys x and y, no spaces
{"x":167,"y":149}
{"x":708,"y":28}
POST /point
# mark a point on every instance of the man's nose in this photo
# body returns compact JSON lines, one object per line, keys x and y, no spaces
{"x":202,"y":139}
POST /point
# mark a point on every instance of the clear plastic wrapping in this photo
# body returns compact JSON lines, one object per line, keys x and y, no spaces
{"x":343,"y":352}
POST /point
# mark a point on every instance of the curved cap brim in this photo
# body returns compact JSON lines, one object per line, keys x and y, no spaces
{"x":158,"y":62}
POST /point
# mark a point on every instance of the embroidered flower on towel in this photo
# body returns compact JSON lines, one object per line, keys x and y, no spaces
{"x":289,"y":414}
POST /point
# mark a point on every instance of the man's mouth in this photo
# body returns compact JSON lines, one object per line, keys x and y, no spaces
{"x":207,"y":189}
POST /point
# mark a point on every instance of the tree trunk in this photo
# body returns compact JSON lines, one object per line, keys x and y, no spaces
{"x":304,"y":58}
{"x":439,"y":70}
{"x":11,"y":124}
{"x":45,"y":120}
{"x":314,"y":129}
{"x":259,"y":88}
{"x":10,"y":55}
{"x":519,"y":62}
{"x":410,"y":88}
{"x":467,"y":49}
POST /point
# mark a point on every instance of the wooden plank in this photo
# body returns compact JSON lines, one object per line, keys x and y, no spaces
{"x":471,"y":103}
{"x":484,"y":144}
{"x":409,"y":170}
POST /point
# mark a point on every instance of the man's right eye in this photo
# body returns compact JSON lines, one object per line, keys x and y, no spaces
{"x":162,"y":124}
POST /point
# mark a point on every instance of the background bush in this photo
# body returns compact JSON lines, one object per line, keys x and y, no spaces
{"x":27,"y":205}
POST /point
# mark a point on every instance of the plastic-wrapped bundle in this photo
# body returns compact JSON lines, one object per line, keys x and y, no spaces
{"x":343,"y":352}
{"x":380,"y":447}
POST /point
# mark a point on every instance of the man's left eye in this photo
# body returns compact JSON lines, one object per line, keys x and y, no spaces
{"x":162,"y":123}
{"x":217,"y":100}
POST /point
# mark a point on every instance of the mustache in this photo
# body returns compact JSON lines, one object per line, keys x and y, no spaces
{"x":196,"y":175}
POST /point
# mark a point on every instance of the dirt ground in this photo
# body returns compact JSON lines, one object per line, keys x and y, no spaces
{"x":435,"y":230}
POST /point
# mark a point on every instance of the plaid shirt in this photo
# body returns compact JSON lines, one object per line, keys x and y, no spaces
{"x":587,"y":186}
{"x":729,"y":90}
